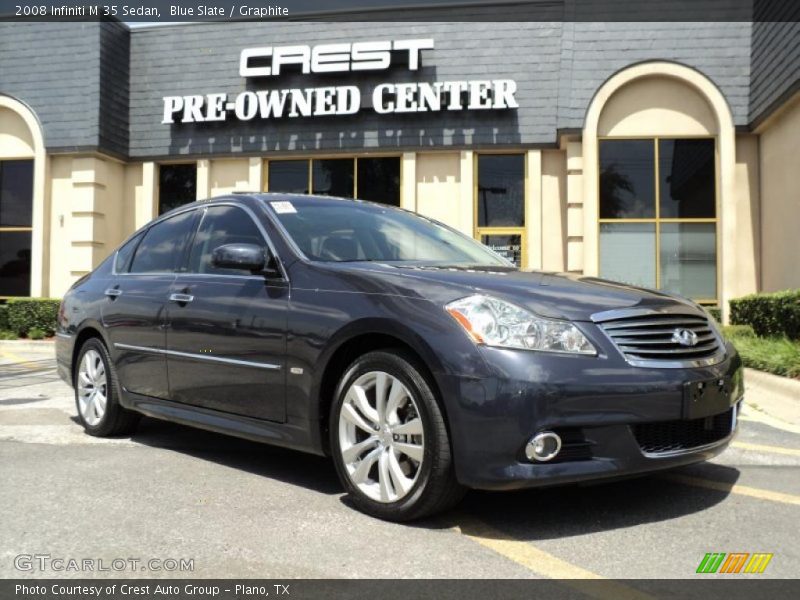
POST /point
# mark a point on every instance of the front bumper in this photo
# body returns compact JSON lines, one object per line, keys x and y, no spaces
{"x":612,"y":416}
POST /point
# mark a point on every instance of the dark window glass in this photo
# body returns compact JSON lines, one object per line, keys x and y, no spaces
{"x":627,"y":179}
{"x":162,"y":247}
{"x":501,"y":190}
{"x":124,"y":255}
{"x":342,"y":231}
{"x":379,"y":180}
{"x":222,"y":225}
{"x":333,"y":177}
{"x":507,"y":246}
{"x":15,"y":263}
{"x":16,"y":193}
{"x":288,"y":176}
{"x":177,"y":185}
{"x":686,"y":173}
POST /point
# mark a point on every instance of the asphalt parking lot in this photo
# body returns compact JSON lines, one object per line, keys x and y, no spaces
{"x":240,"y":509}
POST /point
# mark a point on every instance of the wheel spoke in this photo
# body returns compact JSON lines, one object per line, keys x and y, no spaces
{"x":380,"y":396}
{"x":100,"y":405}
{"x":83,"y":378}
{"x":359,"y":397}
{"x":362,"y":470}
{"x":353,"y":452}
{"x":413,"y":427}
{"x":396,"y":395}
{"x":401,"y":483}
{"x":384,"y":478}
{"x":411,"y":450}
{"x":351,"y":415}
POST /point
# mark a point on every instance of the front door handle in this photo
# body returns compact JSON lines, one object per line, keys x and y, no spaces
{"x":113,"y":292}
{"x":181,"y":298}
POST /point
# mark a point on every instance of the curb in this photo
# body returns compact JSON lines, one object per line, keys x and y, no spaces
{"x":777,"y":396}
{"x":28,"y":345}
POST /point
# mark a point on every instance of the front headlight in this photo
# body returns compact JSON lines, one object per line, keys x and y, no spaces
{"x":495,"y":322}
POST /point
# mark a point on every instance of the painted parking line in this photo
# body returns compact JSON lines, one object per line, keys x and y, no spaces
{"x":765,"y":448}
{"x":545,"y":564}
{"x":751,"y":414}
{"x":734,"y":488}
{"x":17,"y":360}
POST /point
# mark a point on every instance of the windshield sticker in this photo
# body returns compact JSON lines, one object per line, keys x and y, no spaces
{"x":283,"y":208}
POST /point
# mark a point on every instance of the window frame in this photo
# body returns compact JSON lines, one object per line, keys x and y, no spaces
{"x":20,"y":229}
{"x":522,"y":231}
{"x":657,"y":220}
{"x":312,"y":157}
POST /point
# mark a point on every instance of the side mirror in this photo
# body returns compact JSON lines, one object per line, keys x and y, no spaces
{"x":248,"y":257}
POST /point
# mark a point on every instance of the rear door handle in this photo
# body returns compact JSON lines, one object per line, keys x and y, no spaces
{"x":113,"y":293}
{"x":181,"y":298}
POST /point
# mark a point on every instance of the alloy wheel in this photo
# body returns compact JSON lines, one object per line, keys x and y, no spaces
{"x":92,"y":388}
{"x":381,"y":437}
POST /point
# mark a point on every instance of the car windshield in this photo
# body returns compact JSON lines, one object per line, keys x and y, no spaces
{"x":353,"y":231}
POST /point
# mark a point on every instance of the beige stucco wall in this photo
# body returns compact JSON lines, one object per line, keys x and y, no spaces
{"x":16,"y":140}
{"x":554,"y":210}
{"x":438,"y":187}
{"x":226,"y":176}
{"x":780,"y":199}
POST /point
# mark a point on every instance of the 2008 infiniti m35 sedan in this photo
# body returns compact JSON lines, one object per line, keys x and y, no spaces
{"x":419,"y":360}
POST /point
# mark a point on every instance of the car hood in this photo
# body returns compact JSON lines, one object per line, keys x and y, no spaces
{"x":555,"y":295}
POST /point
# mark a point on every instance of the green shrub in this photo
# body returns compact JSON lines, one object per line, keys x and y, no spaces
{"x":5,"y":334}
{"x":25,"y":314}
{"x":778,"y":356}
{"x":733,"y":332}
{"x":34,"y":333}
{"x":3,"y":317}
{"x":715,"y":312}
{"x":775,"y":314}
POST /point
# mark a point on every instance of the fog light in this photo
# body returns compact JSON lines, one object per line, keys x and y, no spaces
{"x":543,"y":446}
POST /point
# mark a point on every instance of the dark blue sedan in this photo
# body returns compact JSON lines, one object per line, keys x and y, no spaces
{"x":419,"y":360}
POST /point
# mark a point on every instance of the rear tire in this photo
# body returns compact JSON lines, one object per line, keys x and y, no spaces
{"x":97,"y":393}
{"x":389,"y":439}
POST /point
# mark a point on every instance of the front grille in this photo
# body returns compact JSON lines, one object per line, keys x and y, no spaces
{"x":675,"y":436}
{"x":649,"y":340}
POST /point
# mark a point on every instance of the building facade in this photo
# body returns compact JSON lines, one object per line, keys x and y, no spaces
{"x":660,"y":154}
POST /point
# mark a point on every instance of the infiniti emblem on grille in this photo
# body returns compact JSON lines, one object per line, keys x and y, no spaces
{"x":684,"y":337}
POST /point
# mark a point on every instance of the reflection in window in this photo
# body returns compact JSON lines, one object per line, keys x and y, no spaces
{"x":689,"y":259}
{"x":16,"y":218}
{"x":163,"y":245}
{"x":501,"y":190}
{"x":177,"y":185}
{"x":288,"y":176}
{"x":222,"y":225}
{"x":627,"y":179}
{"x":686,"y":169}
{"x":333,"y":177}
{"x":627,"y":251}
{"x":379,"y":180}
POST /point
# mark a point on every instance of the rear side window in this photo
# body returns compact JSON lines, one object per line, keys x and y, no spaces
{"x":222,"y":225}
{"x":122,"y":261}
{"x":162,"y":248}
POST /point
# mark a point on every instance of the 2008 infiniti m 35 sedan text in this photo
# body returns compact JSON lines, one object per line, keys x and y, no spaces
{"x":420,"y":361}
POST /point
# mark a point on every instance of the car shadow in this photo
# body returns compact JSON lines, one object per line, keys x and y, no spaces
{"x":562,"y":512}
{"x":289,"y":466}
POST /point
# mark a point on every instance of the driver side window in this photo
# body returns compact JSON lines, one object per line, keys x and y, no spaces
{"x":222,"y":225}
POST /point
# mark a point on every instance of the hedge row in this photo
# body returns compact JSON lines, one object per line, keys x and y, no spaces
{"x":775,"y":314}
{"x":22,"y":315}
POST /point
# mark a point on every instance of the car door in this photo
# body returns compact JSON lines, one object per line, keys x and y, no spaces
{"x":226,"y":340}
{"x":133,"y":313}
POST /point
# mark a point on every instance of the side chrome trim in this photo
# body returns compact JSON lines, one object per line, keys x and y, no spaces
{"x":66,"y":336}
{"x":218,"y":359}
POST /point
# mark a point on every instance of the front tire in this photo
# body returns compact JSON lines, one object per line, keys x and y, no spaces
{"x":389,"y":440}
{"x":97,"y":393}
